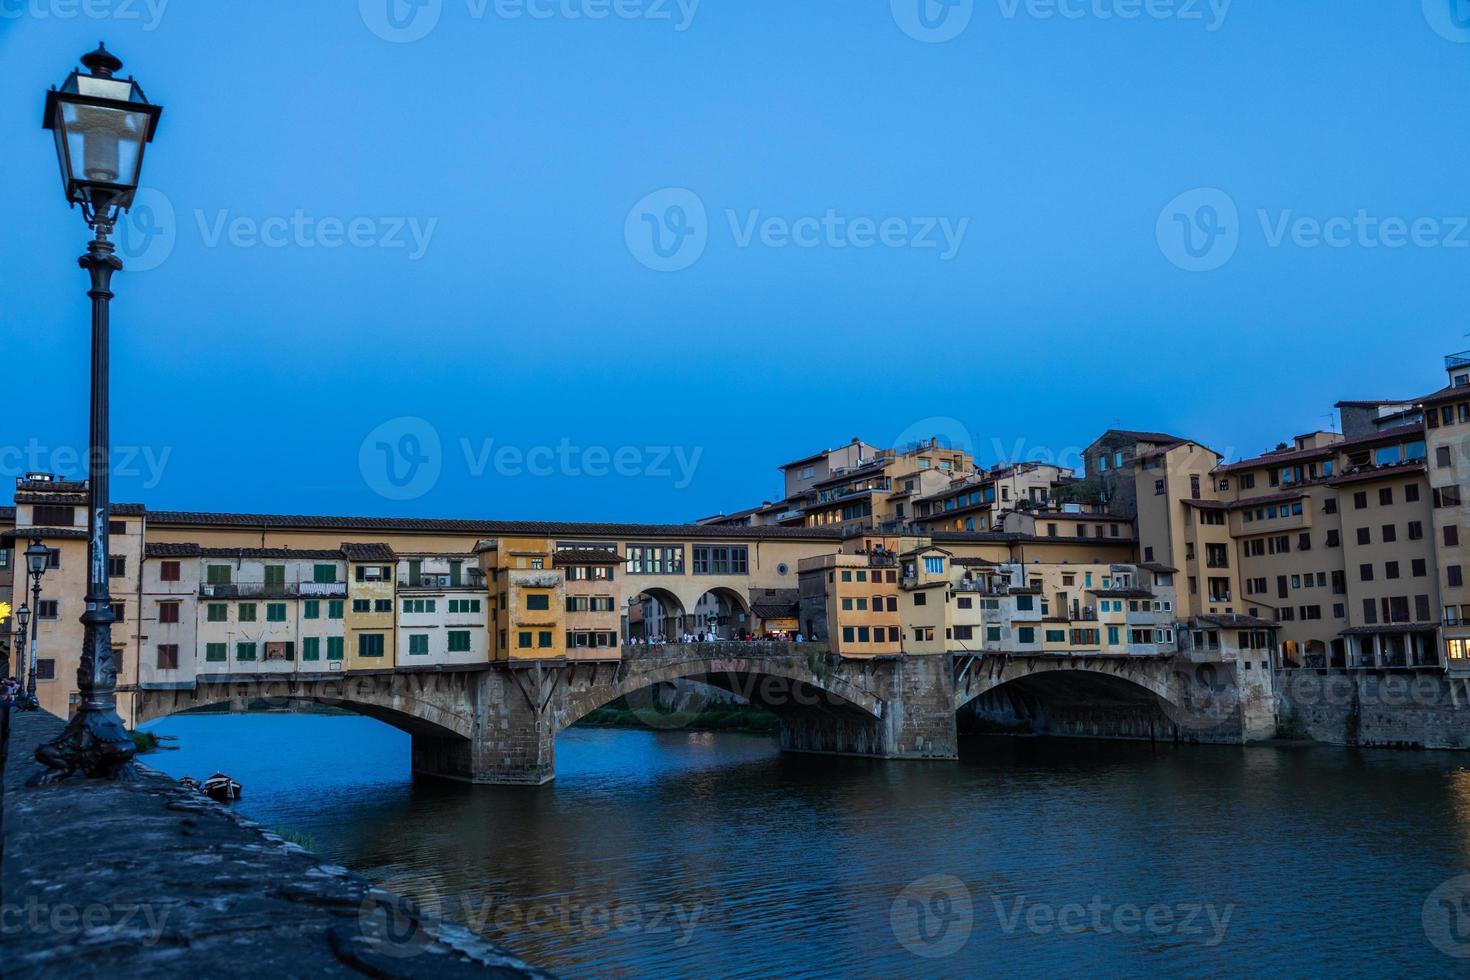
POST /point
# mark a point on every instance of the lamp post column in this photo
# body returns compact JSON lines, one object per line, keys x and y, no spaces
{"x":31,"y":701}
{"x":95,"y":740}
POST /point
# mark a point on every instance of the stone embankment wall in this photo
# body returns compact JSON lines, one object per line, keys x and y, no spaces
{"x":1374,"y":708}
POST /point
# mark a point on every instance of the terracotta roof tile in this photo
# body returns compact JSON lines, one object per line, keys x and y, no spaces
{"x":483,"y":529}
{"x":586,"y":556}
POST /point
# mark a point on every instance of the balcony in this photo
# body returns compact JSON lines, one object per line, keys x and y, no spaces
{"x":441,"y":583}
{"x":265,"y":590}
{"x":1459,"y":360}
{"x":978,"y":587}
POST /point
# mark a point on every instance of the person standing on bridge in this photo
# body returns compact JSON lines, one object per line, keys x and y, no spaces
{"x":9,"y":692}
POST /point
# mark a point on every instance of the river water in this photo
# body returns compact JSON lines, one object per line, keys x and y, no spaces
{"x":693,"y":854}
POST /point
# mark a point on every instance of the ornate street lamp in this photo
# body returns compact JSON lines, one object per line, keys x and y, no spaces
{"x":22,"y":617}
{"x":38,"y":556}
{"x":102,"y":125}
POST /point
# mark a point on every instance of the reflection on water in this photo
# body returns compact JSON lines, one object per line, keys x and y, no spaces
{"x":677,"y":854}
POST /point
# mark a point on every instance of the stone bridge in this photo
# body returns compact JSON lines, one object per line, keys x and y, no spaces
{"x":498,"y":723}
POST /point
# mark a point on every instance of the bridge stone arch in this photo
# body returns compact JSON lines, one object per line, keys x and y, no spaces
{"x":438,"y":705}
{"x":984,"y":674}
{"x":885,"y":707}
{"x":782,"y":685}
{"x":1105,"y":697}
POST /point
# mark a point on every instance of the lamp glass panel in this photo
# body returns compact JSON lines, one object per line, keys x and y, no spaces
{"x":104,"y":144}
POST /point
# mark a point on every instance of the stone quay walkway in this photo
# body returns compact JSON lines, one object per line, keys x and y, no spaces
{"x":147,"y":879}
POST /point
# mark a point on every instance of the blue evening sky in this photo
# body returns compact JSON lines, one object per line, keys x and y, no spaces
{"x":534,"y":336}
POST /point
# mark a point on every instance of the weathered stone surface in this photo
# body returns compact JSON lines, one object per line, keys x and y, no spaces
{"x":149,"y":879}
{"x":1411,"y":709}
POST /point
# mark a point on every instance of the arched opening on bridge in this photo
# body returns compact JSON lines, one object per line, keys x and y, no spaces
{"x":722,"y":614}
{"x":655,"y":614}
{"x":263,"y":726}
{"x":810,"y":714}
{"x":1314,"y":654}
{"x":1075,"y":704}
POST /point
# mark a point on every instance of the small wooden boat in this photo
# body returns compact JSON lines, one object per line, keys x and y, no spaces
{"x":189,"y":782}
{"x":221,"y":787}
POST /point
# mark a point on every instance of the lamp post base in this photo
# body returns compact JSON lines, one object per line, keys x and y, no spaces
{"x":95,"y":743}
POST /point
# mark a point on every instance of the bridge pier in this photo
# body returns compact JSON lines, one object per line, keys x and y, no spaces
{"x":513,"y":741}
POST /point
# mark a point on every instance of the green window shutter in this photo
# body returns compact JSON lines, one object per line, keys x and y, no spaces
{"x":430,"y":604}
{"x":275,"y":576}
{"x":275,"y":612}
{"x":217,"y":612}
{"x":459,"y":641}
{"x":218,"y":575}
{"x":334,"y":648}
{"x":418,"y":644}
{"x":543,"y":639}
{"x":247,"y":612}
{"x":524,"y":640}
{"x":415,"y":570}
{"x":244,"y":651}
{"x":312,"y":609}
{"x":334,"y":608}
{"x":325,"y":574}
{"x":214,"y":652}
{"x":311,"y":648}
